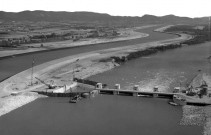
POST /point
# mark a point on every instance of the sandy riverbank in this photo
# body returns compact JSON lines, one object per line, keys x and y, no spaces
{"x":125,"y":34}
{"x":10,"y":103}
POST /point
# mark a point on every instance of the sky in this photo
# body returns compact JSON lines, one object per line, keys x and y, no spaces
{"x":188,"y":8}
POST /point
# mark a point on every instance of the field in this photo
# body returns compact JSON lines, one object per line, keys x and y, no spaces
{"x":16,"y":34}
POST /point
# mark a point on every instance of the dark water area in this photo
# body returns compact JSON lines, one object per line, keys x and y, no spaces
{"x":11,"y":66}
{"x":165,"y":69}
{"x":101,"y":115}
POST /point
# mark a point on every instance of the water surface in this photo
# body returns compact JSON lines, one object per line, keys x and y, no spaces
{"x":165,"y":69}
{"x":102,"y":115}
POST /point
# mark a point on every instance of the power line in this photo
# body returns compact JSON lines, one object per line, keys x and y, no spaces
{"x":209,"y":29}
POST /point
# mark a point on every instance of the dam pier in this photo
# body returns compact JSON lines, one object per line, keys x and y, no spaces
{"x":177,"y":96}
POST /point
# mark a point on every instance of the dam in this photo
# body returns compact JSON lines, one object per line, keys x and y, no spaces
{"x":155,"y":93}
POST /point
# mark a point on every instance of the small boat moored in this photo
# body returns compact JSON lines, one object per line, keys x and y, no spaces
{"x":75,"y":99}
{"x":173,"y":103}
{"x":179,"y":100}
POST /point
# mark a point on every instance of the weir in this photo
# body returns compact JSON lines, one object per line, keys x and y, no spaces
{"x":155,"y":94}
{"x":136,"y":92}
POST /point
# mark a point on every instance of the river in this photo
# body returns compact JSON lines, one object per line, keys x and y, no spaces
{"x":108,"y":114}
{"x":14,"y":65}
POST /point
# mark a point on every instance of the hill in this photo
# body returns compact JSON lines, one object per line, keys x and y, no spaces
{"x":91,"y":17}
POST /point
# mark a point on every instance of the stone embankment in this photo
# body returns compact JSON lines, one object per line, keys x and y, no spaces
{"x":196,"y":115}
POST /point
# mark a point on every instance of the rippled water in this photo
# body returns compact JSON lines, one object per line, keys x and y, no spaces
{"x":165,"y":70}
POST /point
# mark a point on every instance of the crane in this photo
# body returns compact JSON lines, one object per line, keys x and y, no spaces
{"x":50,"y":86}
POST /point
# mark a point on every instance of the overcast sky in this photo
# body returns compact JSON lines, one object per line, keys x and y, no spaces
{"x":190,"y":8}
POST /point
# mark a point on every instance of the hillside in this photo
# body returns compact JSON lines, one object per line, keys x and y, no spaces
{"x":51,"y":16}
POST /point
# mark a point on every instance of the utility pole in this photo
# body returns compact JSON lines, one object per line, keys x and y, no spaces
{"x":74,"y":69}
{"x":209,"y":38}
{"x":32,"y":72}
{"x":209,"y":30}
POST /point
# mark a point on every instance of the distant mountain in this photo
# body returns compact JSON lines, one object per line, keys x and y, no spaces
{"x":51,"y":16}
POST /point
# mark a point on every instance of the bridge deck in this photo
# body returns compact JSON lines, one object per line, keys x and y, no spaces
{"x":189,"y":100}
{"x":135,"y":91}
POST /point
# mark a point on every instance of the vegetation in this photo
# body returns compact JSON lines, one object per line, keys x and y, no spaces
{"x":16,"y":34}
{"x":201,"y":33}
{"x":137,"y":54}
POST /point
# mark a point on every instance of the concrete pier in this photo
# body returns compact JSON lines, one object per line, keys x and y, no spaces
{"x":136,"y":92}
{"x":117,"y":88}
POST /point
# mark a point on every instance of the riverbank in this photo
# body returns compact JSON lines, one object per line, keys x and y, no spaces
{"x":196,"y":115}
{"x":125,"y":34}
{"x":10,"y":103}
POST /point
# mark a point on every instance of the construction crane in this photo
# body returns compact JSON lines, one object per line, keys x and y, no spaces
{"x":50,"y":86}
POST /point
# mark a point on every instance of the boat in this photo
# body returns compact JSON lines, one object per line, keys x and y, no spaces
{"x":179,"y":100}
{"x":144,"y":96}
{"x":75,"y":99}
{"x":173,"y":103}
